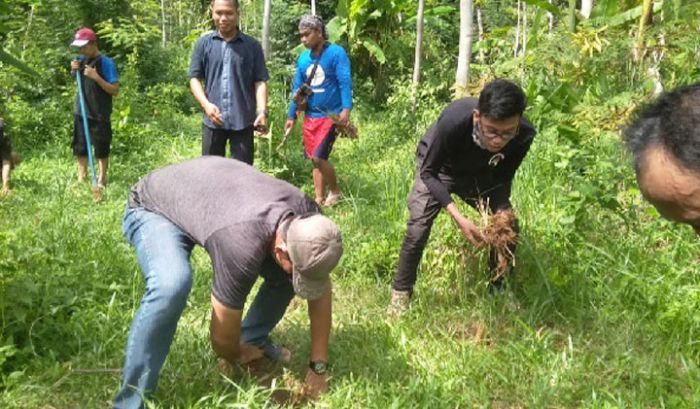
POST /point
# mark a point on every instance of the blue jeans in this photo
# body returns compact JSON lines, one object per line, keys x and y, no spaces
{"x":163,"y":251}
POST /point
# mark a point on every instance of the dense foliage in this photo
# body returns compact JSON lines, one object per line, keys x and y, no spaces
{"x":605,"y":306}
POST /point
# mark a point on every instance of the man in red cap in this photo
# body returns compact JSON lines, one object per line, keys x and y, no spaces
{"x":100,"y":82}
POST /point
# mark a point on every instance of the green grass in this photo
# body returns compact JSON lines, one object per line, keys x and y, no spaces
{"x":604,"y":309}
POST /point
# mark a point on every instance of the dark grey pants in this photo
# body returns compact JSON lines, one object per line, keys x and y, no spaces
{"x":242,"y":147}
{"x":423,"y":210}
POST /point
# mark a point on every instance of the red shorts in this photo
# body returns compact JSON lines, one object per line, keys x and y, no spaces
{"x":319,"y":135}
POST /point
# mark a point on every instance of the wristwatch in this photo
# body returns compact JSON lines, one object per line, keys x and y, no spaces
{"x":262,"y":112}
{"x":318,"y":367}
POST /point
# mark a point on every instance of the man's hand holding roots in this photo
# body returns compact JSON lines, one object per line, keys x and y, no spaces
{"x":471,"y":232}
{"x":314,"y":385}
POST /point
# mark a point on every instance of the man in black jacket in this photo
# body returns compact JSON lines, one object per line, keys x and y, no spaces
{"x":473,"y":151}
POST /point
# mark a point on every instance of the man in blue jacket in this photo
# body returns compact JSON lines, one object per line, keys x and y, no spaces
{"x":323,"y":91}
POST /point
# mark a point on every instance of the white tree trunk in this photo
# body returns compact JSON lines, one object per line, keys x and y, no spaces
{"x":551,"y":21}
{"x":523,"y":49}
{"x":480,"y":25}
{"x":419,"y":53}
{"x":517,"y":33}
{"x":465,"y":46}
{"x":26,"y":32}
{"x":586,"y":7}
{"x":313,"y":7}
{"x":266,"y":29}
{"x":163,"y":25}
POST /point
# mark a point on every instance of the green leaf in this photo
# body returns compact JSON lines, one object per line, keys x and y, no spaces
{"x":9,"y":59}
{"x":374,"y":50}
{"x":336,"y":27}
{"x":544,"y":5}
{"x":622,"y":18}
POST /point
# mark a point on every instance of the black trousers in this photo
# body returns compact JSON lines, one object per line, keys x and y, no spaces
{"x":241,"y":142}
{"x":423,"y":210}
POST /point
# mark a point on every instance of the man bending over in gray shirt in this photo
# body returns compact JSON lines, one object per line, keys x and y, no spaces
{"x":251,"y":224}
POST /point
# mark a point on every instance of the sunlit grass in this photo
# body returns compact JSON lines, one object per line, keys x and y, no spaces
{"x":604,"y":312}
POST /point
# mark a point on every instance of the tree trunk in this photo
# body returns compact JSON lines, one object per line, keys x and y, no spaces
{"x":517,"y":33}
{"x":586,"y":8}
{"x":523,"y":49}
{"x":266,"y":29}
{"x":551,"y":21}
{"x":419,"y":53}
{"x":163,"y":25}
{"x":465,"y":47}
{"x":572,"y":16}
{"x":26,"y":32}
{"x":480,"y":26}
{"x":313,"y":7}
{"x":644,"y":20}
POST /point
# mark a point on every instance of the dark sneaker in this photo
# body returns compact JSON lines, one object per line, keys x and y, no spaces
{"x":277,"y":353}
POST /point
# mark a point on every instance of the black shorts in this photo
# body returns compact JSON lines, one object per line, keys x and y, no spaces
{"x":100,"y":137}
{"x":5,"y":149}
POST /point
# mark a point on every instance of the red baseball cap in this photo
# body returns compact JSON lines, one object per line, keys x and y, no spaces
{"x":83,"y":36}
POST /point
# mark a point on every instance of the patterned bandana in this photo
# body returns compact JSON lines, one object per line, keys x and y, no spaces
{"x":311,"y":22}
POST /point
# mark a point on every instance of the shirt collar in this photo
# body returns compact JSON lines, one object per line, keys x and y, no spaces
{"x":237,"y":37}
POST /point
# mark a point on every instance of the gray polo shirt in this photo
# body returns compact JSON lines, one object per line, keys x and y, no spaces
{"x":229,"y":208}
{"x":229,"y":71}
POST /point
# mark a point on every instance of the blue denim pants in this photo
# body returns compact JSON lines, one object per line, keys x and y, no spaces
{"x":163,"y":252}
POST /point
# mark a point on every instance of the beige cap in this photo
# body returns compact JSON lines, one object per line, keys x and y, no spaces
{"x":315,"y":245}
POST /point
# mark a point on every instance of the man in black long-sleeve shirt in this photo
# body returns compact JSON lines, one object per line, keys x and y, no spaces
{"x":473,"y":150}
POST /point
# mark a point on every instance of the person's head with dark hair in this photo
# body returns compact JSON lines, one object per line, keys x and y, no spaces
{"x":225,"y":14}
{"x":664,"y":139}
{"x":234,"y":3}
{"x":497,"y":117}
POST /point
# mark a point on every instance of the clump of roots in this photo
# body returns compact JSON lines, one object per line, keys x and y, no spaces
{"x":344,"y":130}
{"x":498,"y":234}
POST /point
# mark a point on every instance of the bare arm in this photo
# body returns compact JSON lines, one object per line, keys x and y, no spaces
{"x":320,"y":314}
{"x":466,"y":226}
{"x":260,"y":123}
{"x":111,"y":89}
{"x":198,"y":91}
{"x":261,"y":96}
{"x":211,"y":110}
{"x":225,"y":334}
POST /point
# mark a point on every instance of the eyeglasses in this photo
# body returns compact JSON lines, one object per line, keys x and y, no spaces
{"x":491,"y":134}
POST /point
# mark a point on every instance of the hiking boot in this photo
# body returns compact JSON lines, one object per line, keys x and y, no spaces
{"x":399,"y":303}
{"x":332,"y":199}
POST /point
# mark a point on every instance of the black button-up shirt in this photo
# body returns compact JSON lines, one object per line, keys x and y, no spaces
{"x":229,"y":70}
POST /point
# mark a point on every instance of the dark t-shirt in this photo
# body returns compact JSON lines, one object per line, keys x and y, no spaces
{"x":229,"y":208}
{"x":98,"y":103}
{"x":449,"y":148}
{"x":230,"y":71}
